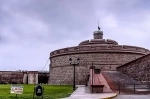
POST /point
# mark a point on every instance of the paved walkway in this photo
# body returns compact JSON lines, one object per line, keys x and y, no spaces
{"x":83,"y":92}
{"x":132,"y":97}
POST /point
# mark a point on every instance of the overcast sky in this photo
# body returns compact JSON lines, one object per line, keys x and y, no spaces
{"x":31,"y":29}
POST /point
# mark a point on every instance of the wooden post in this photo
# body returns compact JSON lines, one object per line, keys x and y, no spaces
{"x":43,"y":92}
{"x":119,"y":87}
{"x":92,"y":77}
{"x":16,"y":96}
{"x":134,"y":88}
{"x":34,"y":93}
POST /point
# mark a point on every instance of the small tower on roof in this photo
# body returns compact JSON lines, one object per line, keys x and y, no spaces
{"x":98,"y":34}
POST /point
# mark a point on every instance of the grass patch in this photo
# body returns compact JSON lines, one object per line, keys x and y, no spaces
{"x":50,"y":91}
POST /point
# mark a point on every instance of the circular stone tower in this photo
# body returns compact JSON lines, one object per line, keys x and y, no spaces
{"x":103,"y":53}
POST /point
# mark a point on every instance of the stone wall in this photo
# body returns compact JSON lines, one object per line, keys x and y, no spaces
{"x":104,"y":53}
{"x":138,"y":69}
{"x":61,"y":72}
{"x":25,"y":78}
{"x":43,"y":77}
{"x":99,"y":48}
{"x":32,"y":77}
{"x":11,"y":77}
{"x":64,"y":75}
{"x":20,"y":77}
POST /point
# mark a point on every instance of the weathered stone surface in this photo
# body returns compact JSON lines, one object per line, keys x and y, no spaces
{"x":33,"y":77}
{"x":61,"y":72}
{"x":21,"y":77}
{"x":101,"y":52}
{"x":138,"y":69}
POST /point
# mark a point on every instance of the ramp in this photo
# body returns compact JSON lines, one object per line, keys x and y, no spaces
{"x":120,"y":82}
{"x":97,"y":82}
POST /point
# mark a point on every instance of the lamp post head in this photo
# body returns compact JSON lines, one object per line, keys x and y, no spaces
{"x":75,"y":62}
{"x":70,"y":60}
{"x":78,"y":60}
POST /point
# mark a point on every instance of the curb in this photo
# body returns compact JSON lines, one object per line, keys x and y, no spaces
{"x":110,"y":97}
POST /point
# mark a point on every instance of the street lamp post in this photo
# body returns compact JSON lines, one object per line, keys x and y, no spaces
{"x":74,"y":64}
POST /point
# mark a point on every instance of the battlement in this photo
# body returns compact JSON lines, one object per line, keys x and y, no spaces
{"x":98,"y":41}
{"x":98,"y":44}
{"x":104,"y":54}
{"x":100,"y":48}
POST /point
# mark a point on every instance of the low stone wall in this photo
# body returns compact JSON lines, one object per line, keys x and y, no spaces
{"x":11,"y":77}
{"x":25,"y":77}
{"x":138,"y":69}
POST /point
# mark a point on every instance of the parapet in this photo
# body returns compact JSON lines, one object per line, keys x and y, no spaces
{"x":100,"y":48}
{"x":32,"y":72}
{"x":98,"y":41}
{"x":98,"y":44}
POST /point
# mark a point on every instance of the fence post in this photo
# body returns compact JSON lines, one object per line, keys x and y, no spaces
{"x":134,"y":88}
{"x":92,"y":77}
{"x":149,"y":87}
{"x":119,"y":88}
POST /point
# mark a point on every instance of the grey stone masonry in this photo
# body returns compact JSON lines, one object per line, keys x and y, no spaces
{"x":61,"y":72}
{"x":105,"y":54}
{"x":138,"y":69}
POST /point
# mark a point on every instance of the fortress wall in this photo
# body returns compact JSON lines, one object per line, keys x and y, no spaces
{"x":11,"y":76}
{"x":24,"y":77}
{"x":102,"y":47}
{"x":21,"y":76}
{"x":33,"y":77}
{"x":138,"y":69}
{"x":62,"y":72}
{"x":64,"y":75}
{"x":30,"y":79}
{"x":97,"y":58}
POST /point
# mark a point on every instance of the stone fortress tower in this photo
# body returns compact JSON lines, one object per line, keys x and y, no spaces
{"x":106,"y":54}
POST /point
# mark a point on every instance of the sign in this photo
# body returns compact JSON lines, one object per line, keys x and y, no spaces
{"x":16,"y":89}
{"x":38,"y":90}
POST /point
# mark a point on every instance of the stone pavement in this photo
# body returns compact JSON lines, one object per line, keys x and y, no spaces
{"x":132,"y":97}
{"x":82,"y":92}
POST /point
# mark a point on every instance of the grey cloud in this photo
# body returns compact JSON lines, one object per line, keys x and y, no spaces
{"x":31,"y":29}
{"x":60,"y":17}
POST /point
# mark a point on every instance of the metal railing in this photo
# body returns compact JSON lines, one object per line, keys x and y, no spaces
{"x":133,"y":88}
